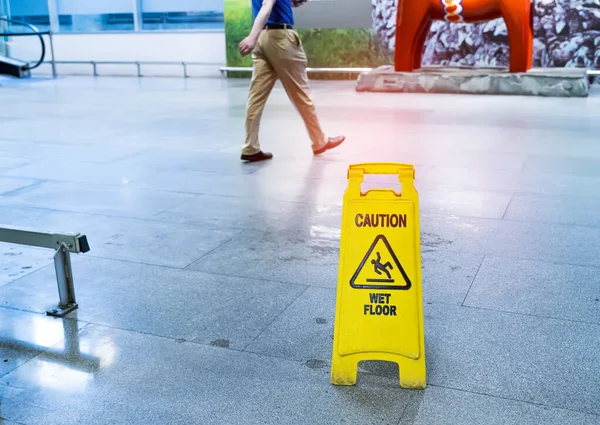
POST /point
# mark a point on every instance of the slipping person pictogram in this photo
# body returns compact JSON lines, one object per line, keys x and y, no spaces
{"x":383,"y":274}
{"x":382,"y":267}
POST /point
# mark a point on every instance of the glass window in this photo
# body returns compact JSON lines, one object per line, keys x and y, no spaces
{"x":34,"y":12}
{"x":95,"y":15}
{"x":182,"y":14}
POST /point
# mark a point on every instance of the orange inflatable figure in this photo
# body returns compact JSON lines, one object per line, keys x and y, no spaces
{"x":414,"y":19}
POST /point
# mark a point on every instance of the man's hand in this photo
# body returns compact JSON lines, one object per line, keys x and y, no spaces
{"x":247,"y":45}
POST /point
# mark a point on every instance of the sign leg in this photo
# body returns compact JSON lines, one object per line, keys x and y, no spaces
{"x":412,"y":374}
{"x":343,"y":370}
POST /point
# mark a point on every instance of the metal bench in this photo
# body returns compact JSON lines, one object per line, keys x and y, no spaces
{"x":64,"y":244}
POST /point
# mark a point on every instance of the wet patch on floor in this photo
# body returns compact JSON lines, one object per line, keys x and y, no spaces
{"x":221,"y":343}
{"x":316,"y":364}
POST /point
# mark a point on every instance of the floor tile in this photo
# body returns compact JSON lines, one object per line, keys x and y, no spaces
{"x":251,"y":186}
{"x":583,"y":166}
{"x":141,"y":382}
{"x":577,"y":210}
{"x":537,"y":288}
{"x":177,"y":304}
{"x":141,"y":241}
{"x":177,"y":160}
{"x":438,"y":405}
{"x":8,"y":162}
{"x":25,"y":335}
{"x":31,"y":150}
{"x":12,"y":184}
{"x":464,"y":203}
{"x":447,"y":276}
{"x":304,"y":331}
{"x":521,"y":240}
{"x":20,"y":260}
{"x":253,"y":214}
{"x":113,"y":174}
{"x":530,"y":359}
{"x":306,"y":258}
{"x":99,"y":199}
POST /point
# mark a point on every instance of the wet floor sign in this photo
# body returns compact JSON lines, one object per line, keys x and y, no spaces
{"x":379,"y":307}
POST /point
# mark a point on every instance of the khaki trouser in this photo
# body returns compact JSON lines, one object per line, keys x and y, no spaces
{"x":279,"y":54}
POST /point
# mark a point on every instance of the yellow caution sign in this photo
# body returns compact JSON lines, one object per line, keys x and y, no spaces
{"x":379,"y":311}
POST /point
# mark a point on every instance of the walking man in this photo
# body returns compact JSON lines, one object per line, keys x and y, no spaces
{"x":278,"y":53}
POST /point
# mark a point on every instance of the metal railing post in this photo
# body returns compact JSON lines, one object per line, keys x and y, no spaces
{"x":3,"y":40}
{"x":53,"y":61}
{"x":64,"y":279}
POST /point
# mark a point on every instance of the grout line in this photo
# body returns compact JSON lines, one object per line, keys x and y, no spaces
{"x":527,"y":159}
{"x":530,"y":259}
{"x":473,"y":281}
{"x":275,"y":319}
{"x":214,"y":249}
{"x":32,"y":271}
{"x":515,"y":400}
{"x":410,"y":400}
{"x":2,"y":418}
{"x":517,"y":313}
{"x":183,"y":202}
{"x":15,"y":192}
{"x":176,"y":339}
{"x":508,"y":206}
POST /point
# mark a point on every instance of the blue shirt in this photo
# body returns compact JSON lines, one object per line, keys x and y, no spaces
{"x":281,"y":13}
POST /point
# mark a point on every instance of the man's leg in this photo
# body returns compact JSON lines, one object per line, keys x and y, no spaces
{"x":263,"y":80}
{"x":285,"y":52}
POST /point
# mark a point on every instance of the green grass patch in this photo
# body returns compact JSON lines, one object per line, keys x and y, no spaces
{"x":238,"y":24}
{"x":343,"y":48}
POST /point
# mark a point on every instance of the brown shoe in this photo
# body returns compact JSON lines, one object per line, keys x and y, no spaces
{"x":259,"y":156}
{"x":332,"y":142}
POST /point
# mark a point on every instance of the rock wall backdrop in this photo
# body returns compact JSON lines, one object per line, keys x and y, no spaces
{"x":567,"y":34}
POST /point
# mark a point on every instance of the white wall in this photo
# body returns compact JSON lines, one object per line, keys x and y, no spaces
{"x":208,"y":47}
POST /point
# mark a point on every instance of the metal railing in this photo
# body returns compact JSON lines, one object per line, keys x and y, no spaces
{"x":224,"y":70}
{"x":138,"y":64}
{"x":34,"y":33}
{"x":185,"y":64}
{"x":591,"y":73}
{"x":63,"y":243}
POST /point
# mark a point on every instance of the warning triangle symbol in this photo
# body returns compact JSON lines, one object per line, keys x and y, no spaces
{"x":380,"y":269}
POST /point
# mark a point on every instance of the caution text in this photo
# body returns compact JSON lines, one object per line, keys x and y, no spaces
{"x":380,"y":220}
{"x":379,"y":305}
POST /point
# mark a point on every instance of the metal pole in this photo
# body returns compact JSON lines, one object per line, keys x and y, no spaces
{"x":95,"y":70}
{"x":54,"y":74}
{"x":139,"y":69}
{"x":185,"y":74}
{"x":53,"y":16}
{"x":64,"y":279}
{"x":137,"y":15}
{"x":4,"y":29}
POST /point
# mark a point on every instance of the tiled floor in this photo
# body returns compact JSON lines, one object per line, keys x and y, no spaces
{"x":208,"y":296}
